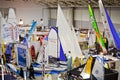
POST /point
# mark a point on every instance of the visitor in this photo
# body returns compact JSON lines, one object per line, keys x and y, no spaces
{"x":21,"y":72}
{"x":97,"y":47}
{"x":31,"y":72}
{"x":41,"y":24}
{"x":20,"y":22}
{"x":69,"y":60}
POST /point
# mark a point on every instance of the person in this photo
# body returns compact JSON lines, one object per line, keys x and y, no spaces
{"x":97,"y":47}
{"x":69,"y":61}
{"x":31,"y":72}
{"x":21,"y":72}
{"x":41,"y":24}
{"x":20,"y":22}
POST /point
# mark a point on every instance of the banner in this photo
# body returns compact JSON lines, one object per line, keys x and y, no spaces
{"x":21,"y":51}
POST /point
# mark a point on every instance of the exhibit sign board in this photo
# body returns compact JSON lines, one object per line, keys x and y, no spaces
{"x":21,"y":51}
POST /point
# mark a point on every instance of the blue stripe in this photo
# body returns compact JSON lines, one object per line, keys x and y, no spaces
{"x":31,"y":29}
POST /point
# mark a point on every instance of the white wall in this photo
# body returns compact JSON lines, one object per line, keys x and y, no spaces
{"x":28,"y":11}
{"x":82,"y":19}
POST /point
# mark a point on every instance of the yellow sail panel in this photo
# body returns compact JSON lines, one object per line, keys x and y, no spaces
{"x":88,"y":65}
{"x":3,"y":50}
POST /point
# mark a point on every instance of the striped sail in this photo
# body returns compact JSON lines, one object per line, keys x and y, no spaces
{"x":55,"y":45}
{"x":12,"y":21}
{"x":97,"y":32}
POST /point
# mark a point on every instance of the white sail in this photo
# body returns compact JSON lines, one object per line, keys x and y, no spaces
{"x":13,"y":24}
{"x":66,"y":35}
{"x":6,"y":34}
{"x":92,"y":38}
{"x":53,"y":43}
{"x":11,"y":16}
{"x":98,"y":69}
{"x":105,"y":23}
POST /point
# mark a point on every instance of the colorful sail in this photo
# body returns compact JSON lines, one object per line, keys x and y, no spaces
{"x":97,"y":32}
{"x":54,"y":41}
{"x":32,"y":29}
{"x":87,"y":69}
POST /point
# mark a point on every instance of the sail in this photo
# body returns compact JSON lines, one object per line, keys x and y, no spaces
{"x":66,"y":36}
{"x":12,"y":23}
{"x":98,"y":69}
{"x":62,"y":55}
{"x":97,"y":32}
{"x":6,"y":32}
{"x":32,"y":29}
{"x":43,"y":53}
{"x":54,"y":44}
{"x":105,"y":23}
{"x":11,"y":16}
{"x":87,"y":69}
{"x":113,"y":31}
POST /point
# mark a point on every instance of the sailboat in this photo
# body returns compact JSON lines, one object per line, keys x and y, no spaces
{"x":61,"y":40}
{"x":108,"y":24}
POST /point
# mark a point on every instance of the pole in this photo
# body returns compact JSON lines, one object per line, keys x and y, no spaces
{"x":25,"y":74}
{"x":43,"y":62}
{"x":2,"y":68}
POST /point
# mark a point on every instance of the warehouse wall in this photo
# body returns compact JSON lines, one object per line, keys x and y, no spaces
{"x":82,"y":19}
{"x":28,"y":11}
